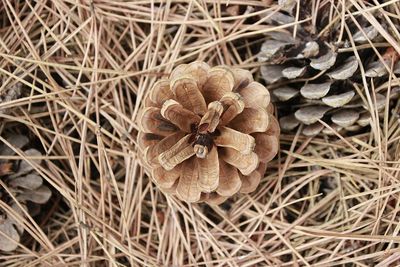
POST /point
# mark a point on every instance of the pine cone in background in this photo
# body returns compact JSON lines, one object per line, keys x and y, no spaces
{"x":208,"y":133}
{"x":25,"y":185}
{"x":314,"y":77}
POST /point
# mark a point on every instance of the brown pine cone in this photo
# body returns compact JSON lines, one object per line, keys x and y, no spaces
{"x":25,"y":184}
{"x":311,"y":80}
{"x":207,"y":133}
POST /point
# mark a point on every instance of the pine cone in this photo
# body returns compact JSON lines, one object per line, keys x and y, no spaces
{"x":310,"y":80}
{"x":207,"y":133}
{"x":25,"y":184}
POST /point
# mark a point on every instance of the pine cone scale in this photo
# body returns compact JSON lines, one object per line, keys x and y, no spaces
{"x":187,"y":93}
{"x":244,"y":163}
{"x":187,"y":187}
{"x":219,"y":82}
{"x":231,"y":138}
{"x":160,"y":93}
{"x":209,"y":171}
{"x":251,"y":121}
{"x":152,"y":122}
{"x":229,"y":180}
{"x":178,"y":153}
{"x":164,"y":178}
{"x":254,"y":94}
{"x":179,"y":116}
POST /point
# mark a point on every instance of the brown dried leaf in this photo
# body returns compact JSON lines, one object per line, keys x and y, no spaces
{"x":311,"y":114}
{"x":346,"y":70}
{"x":208,"y":171}
{"x":285,"y":93}
{"x":229,"y":180}
{"x":188,"y":94}
{"x":187,"y":189}
{"x":315,"y":90}
{"x":266,"y":146}
{"x":345,"y":117}
{"x":228,"y":137}
{"x":220,"y":81}
{"x":178,"y":153}
{"x":255,"y":95}
{"x":251,"y":121}
{"x":151,"y":121}
{"x":245,"y":163}
{"x":324,"y":62}
{"x":179,"y":116}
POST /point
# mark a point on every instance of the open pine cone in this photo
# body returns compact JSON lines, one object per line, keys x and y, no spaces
{"x":207,"y":133}
{"x":25,"y":184}
{"x":311,"y":80}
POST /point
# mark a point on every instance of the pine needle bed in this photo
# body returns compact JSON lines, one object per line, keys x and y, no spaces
{"x":85,"y":67}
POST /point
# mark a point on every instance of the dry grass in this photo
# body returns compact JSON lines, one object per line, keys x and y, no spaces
{"x":86,"y":66}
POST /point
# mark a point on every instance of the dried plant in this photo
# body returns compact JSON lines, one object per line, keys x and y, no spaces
{"x":208,"y":133}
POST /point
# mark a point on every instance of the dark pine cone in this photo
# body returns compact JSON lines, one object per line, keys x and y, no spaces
{"x":317,"y":76}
